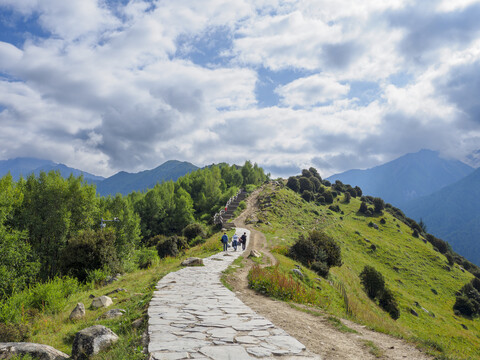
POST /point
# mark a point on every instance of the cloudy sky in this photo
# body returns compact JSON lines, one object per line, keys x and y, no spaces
{"x":109,"y":85}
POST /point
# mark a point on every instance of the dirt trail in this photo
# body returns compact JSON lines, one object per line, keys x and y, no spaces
{"x":315,"y":332}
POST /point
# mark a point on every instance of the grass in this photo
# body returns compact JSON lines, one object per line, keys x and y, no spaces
{"x":373,"y":349}
{"x":411,"y":269}
{"x":50,"y":325}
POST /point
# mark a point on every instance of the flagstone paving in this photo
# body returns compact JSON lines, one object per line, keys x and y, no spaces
{"x":193,"y":316}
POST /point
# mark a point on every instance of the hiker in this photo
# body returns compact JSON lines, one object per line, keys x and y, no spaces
{"x":243,"y":240}
{"x":225,"y":241}
{"x":235,"y":241}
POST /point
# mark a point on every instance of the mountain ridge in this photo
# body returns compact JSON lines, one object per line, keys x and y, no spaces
{"x":408,"y":177}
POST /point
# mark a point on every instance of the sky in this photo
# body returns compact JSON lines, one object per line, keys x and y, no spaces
{"x":110,"y":85}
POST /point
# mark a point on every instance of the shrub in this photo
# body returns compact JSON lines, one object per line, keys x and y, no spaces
{"x":293,"y":183}
{"x":89,"y":250}
{"x":348,"y":196}
{"x":363,"y":207}
{"x":97,"y":276}
{"x":306,"y":173}
{"x":441,"y":245}
{"x":415,"y":233}
{"x":320,"y":199}
{"x":317,"y":184}
{"x":388,"y":303}
{"x":13,"y":332}
{"x":464,"y":306}
{"x":328,"y":197}
{"x":372,"y":281}
{"x":315,"y":173}
{"x":307,"y":195}
{"x":326,"y":244}
{"x":303,"y":250}
{"x":167,"y":247}
{"x":320,"y":268}
{"x":305,"y":184}
{"x":358,"y":191}
{"x":197,"y":241}
{"x":335,"y":208}
{"x":383,"y":221}
{"x":191,"y":231}
{"x":379,"y":204}
{"x":146,"y":258}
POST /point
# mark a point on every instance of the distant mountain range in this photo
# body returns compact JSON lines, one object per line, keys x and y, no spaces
{"x":406,"y":178}
{"x":25,"y":166}
{"x":453,"y":214}
{"x":443,"y":193}
{"x":122,"y":182}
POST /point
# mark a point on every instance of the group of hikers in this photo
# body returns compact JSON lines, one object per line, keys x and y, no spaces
{"x":236,"y":241}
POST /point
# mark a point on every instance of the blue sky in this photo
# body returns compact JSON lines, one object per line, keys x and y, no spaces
{"x":106,"y":85}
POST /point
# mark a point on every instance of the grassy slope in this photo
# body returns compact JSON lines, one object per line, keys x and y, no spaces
{"x":410,"y":266}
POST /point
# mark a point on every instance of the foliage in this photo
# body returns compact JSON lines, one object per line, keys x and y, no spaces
{"x":317,"y":251}
{"x":191,"y":231}
{"x":167,"y":246}
{"x":146,"y":258}
{"x":467,"y":302}
{"x":374,"y":284}
{"x":89,"y":250}
{"x":372,"y":281}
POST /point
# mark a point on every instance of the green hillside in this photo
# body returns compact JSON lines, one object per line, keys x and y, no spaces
{"x":419,"y":276}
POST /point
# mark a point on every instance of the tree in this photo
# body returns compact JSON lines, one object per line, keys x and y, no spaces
{"x":315,"y":173}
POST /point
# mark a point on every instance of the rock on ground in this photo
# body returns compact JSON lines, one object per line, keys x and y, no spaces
{"x":102,"y":301}
{"x":37,"y":351}
{"x":91,"y":341}
{"x":192,"y":261}
{"x":78,"y":313}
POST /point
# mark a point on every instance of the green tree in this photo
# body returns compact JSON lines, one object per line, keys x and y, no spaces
{"x":372,"y":281}
{"x":293,"y":183}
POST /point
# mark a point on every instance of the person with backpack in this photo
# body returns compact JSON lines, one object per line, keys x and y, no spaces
{"x":243,"y":240}
{"x":235,"y":242}
{"x":224,"y":241}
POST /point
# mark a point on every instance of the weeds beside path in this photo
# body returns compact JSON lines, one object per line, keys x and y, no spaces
{"x":310,"y":326}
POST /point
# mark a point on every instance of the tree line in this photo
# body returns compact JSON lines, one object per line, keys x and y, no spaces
{"x":51,"y":226}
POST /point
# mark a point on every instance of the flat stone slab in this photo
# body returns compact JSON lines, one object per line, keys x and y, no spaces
{"x":193,"y":316}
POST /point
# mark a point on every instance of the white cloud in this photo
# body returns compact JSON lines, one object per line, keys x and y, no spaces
{"x":311,"y":91}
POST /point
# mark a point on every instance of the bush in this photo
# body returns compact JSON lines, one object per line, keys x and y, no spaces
{"x":305,"y":184}
{"x":307,"y":195}
{"x":379,"y":204}
{"x":464,"y":306}
{"x":372,"y":281}
{"x":363,"y":207}
{"x":348,"y":196}
{"x":191,"y":231}
{"x":303,"y":250}
{"x":146,"y":258}
{"x":335,"y":208}
{"x":13,"y":332}
{"x":167,"y":247}
{"x":328,"y":197}
{"x":293,"y":184}
{"x":89,"y":250}
{"x":320,"y":268}
{"x":388,"y":303}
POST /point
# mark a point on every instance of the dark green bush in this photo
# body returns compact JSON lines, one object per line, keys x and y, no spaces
{"x":317,"y":184}
{"x":293,"y":183}
{"x":464,"y":306}
{"x":167,"y":247}
{"x":145,"y":258}
{"x":306,"y":173}
{"x":347,"y":197}
{"x":325,"y":243}
{"x":13,"y":332}
{"x":308,"y":195}
{"x":379,"y":204}
{"x":335,"y":208}
{"x":372,"y":281}
{"x":305,"y":184}
{"x":89,"y":250}
{"x":441,"y":245}
{"x":315,"y":173}
{"x":363,"y":207}
{"x":383,"y":221}
{"x":191,"y":231}
{"x":328,"y":197}
{"x":388,"y":303}
{"x":303,"y":250}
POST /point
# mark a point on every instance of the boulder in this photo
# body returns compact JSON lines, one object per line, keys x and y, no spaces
{"x":116,"y":291}
{"x":192,"y":261}
{"x":102,"y":301}
{"x":36,"y":351}
{"x":91,"y":341}
{"x":137,"y":324}
{"x":78,"y":313}
{"x":111,"y":314}
{"x":298,"y":272}
{"x":254,"y":253}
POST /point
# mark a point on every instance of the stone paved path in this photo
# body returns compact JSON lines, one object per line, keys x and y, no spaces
{"x":193,"y":316}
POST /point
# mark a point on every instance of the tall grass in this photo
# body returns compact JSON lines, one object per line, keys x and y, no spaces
{"x":273,"y":282}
